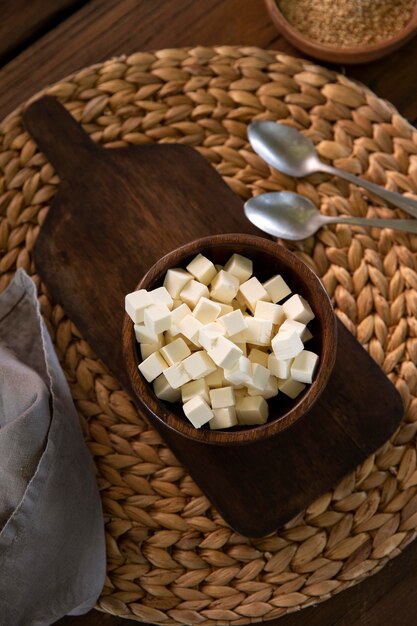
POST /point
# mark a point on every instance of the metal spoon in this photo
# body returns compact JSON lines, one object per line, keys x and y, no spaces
{"x":290,"y":216}
{"x":288,"y":151}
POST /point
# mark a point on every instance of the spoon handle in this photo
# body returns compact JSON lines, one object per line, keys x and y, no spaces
{"x":409,"y":226}
{"x":406,"y":204}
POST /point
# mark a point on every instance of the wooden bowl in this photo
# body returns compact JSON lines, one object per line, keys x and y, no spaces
{"x":333,"y":54}
{"x":269,"y":258}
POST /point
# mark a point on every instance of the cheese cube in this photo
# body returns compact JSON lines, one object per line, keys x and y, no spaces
{"x":198,"y":411}
{"x":206,"y":310}
{"x":146,"y":335}
{"x":225,"y":308}
{"x":202,"y":269}
{"x":222,"y":398}
{"x":146,"y":349}
{"x":189,"y":326}
{"x":304,"y":366}
{"x":258,"y":332}
{"x":175,"y":280}
{"x":298,"y":327}
{"x":152,"y":367}
{"x":175,"y":351}
{"x":164,"y":391}
{"x":279,"y":367}
{"x":271,"y":389}
{"x":136,"y":303}
{"x":223,"y":418}
{"x":239,"y":266}
{"x":252,"y":410}
{"x":268,"y":311}
{"x":239,"y":303}
{"x":307,"y":335}
{"x":240,"y":373}
{"x":177,"y":315}
{"x":286,"y":345}
{"x":198,"y":365}
{"x":252,"y":291}
{"x":209,"y":334}
{"x":257,"y":356}
{"x":195,"y":388}
{"x":297,"y":308}
{"x":192,"y":292}
{"x":225,"y":353}
{"x":176,"y":375}
{"x":291,"y":388}
{"x":176,"y":303}
{"x":242,"y":345}
{"x":277,"y":288}
{"x":224,"y":287}
{"x":157,"y":318}
{"x":161,"y":296}
{"x":215,"y":379}
{"x":260,"y":377}
{"x":233,"y":323}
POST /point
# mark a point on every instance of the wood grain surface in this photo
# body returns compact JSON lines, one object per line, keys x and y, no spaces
{"x":103,"y":28}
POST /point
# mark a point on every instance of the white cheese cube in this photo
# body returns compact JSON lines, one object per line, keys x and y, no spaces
{"x":177,"y":315}
{"x":286,"y":345}
{"x":242,"y":345}
{"x":252,"y":291}
{"x":271,"y":389}
{"x":176,"y":375}
{"x":206,"y":310}
{"x":258,"y":356}
{"x":241,"y":391}
{"x":136,"y":303}
{"x":146,"y":335}
{"x":161,"y":296}
{"x":221,"y":398}
{"x":175,"y":351}
{"x":277,"y":288}
{"x":298,"y":327}
{"x":192,"y":292}
{"x":175,"y":280}
{"x":215,"y":379}
{"x":239,"y":303}
{"x":198,"y":411}
{"x":195,"y":388}
{"x":260,"y":377}
{"x":202,"y":269}
{"x":176,"y":303}
{"x":198,"y":365}
{"x":297,"y":308}
{"x":152,"y":367}
{"x":223,"y":418}
{"x":225,"y":308}
{"x":146,"y":349}
{"x":209,"y":334}
{"x":233,"y":323}
{"x":291,"y":388}
{"x":225,"y":353}
{"x":164,"y":391}
{"x":258,"y":332}
{"x":304,"y":366}
{"x":279,"y":368}
{"x":224,"y":287}
{"x":189,"y":326}
{"x":268,"y":311}
{"x":252,"y":410}
{"x":240,"y":373}
{"x":239,"y":266}
{"x":218,"y":267}
{"x":157,"y":318}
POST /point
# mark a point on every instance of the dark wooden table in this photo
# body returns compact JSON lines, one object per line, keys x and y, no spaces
{"x":43,"y":40}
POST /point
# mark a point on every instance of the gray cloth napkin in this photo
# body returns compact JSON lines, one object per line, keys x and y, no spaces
{"x":52,"y":554}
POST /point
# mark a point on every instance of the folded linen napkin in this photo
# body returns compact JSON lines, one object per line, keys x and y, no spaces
{"x":52,"y":554}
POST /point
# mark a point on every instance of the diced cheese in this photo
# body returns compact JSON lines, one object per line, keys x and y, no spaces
{"x":152,"y":367}
{"x":175,"y":351}
{"x":268,"y":311}
{"x":195,"y":388}
{"x":189,"y":326}
{"x":291,"y":388}
{"x":198,"y":411}
{"x":164,"y":391}
{"x":146,"y":335}
{"x":206,"y":310}
{"x":304,"y":366}
{"x":258,"y":332}
{"x":157,"y":318}
{"x":298,"y":327}
{"x":192,"y":292}
{"x":209,"y":334}
{"x":199,"y":365}
{"x":252,"y":410}
{"x":240,"y":373}
{"x":239,"y":266}
{"x":279,"y":367}
{"x":177,"y":315}
{"x":277,"y":288}
{"x":136,"y":303}
{"x":271,"y":389}
{"x":223,"y":418}
{"x":225,"y":308}
{"x":260,"y":377}
{"x":161,"y":296}
{"x":242,"y":345}
{"x":224,"y":287}
{"x":146,"y":349}
{"x":221,"y":398}
{"x":286,"y":345}
{"x":225,"y":353}
{"x":202,"y":269}
{"x":233,"y":323}
{"x":297,"y":308}
{"x":215,"y":379}
{"x":176,"y":375}
{"x":175,"y":280}
{"x":257,"y":356}
{"x":252,"y":291}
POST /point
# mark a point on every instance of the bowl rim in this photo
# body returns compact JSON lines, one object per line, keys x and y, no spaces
{"x":148,"y":402}
{"x":286,"y":27}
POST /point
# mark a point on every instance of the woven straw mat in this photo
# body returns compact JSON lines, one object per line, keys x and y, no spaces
{"x":171,"y":557}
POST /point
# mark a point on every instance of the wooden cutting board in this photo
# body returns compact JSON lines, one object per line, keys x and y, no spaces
{"x":116,"y":212}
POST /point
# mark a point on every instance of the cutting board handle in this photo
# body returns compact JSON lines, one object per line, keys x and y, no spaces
{"x":59,"y":136}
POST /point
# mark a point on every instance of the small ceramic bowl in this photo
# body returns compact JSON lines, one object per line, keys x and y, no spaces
{"x":333,"y":54}
{"x":268,"y":258}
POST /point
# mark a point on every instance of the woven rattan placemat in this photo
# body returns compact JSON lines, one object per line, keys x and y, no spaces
{"x":171,"y":558}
